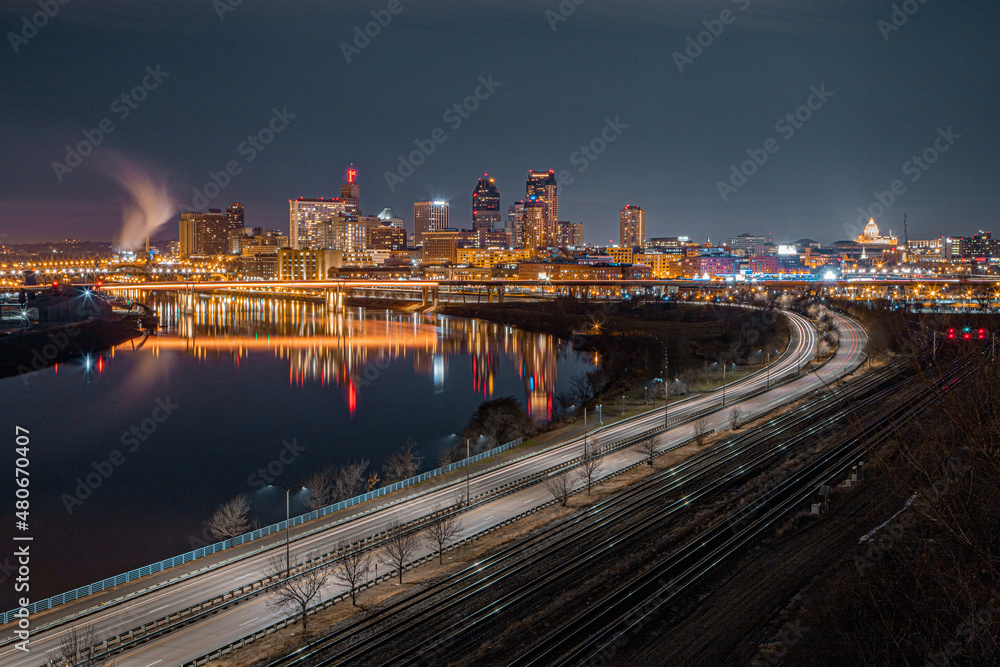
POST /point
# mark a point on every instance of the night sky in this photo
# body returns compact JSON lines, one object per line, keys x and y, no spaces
{"x":887,"y":94}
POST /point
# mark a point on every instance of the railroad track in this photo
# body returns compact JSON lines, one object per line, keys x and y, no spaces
{"x":594,"y":635}
{"x":394,"y":623}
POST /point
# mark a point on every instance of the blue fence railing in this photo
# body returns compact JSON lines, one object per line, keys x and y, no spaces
{"x":132,"y":575}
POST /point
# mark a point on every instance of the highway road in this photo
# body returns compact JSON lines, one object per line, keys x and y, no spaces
{"x":222,"y":628}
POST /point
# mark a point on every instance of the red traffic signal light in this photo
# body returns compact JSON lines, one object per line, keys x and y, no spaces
{"x":982,"y":334}
{"x":951,"y":333}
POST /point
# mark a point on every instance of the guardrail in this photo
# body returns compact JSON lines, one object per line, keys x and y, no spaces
{"x":132,"y":575}
{"x":133,"y":637}
{"x":284,"y":623}
{"x":138,"y":573}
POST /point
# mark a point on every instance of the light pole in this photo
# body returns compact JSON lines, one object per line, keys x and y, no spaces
{"x":600,"y":415}
{"x":724,"y":364}
{"x":666,"y":384}
{"x":288,"y":492}
{"x":623,"y":406}
{"x":767,"y":375}
{"x":468,"y":473}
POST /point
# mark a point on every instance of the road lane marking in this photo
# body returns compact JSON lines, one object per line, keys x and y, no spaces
{"x":250,"y":621}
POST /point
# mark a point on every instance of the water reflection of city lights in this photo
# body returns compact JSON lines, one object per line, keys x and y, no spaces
{"x":351,"y":348}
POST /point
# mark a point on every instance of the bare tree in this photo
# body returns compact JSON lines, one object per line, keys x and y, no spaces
{"x":350,"y":479}
{"x":296,"y":593}
{"x":590,"y":468}
{"x":443,"y":530}
{"x":735,"y":417}
{"x":403,"y":463}
{"x":231,"y":519}
{"x":400,"y":546}
{"x":321,"y":488}
{"x":559,"y":485}
{"x":648,"y":450}
{"x":353,"y":568}
{"x":75,"y":649}
{"x":700,"y":431}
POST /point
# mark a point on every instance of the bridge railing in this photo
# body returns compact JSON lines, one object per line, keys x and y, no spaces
{"x":167,"y":563}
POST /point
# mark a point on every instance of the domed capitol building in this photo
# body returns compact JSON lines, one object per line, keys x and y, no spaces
{"x":872,"y":236}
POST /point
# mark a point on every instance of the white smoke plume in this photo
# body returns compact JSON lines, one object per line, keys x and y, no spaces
{"x":150,"y":207}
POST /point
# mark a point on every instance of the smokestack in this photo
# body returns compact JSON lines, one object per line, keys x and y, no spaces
{"x":151,"y":206}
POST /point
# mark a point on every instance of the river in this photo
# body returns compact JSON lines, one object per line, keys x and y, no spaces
{"x":132,"y":449}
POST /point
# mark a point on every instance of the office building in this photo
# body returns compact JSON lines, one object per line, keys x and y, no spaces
{"x":747,"y":244}
{"x":350,"y":194}
{"x":441,"y":246}
{"x":307,"y":264}
{"x":541,"y":187}
{"x":258,"y":267}
{"x":428,"y":216}
{"x":980,"y":246}
{"x":541,"y":209}
{"x":537,"y":231}
{"x":306,"y":221}
{"x":204,"y":234}
{"x":235,"y":214}
{"x":307,"y":217}
{"x":632,"y":227}
{"x":570,"y":234}
{"x":388,"y":237}
{"x":268,"y":242}
{"x":485,"y":207}
{"x":515,"y":224}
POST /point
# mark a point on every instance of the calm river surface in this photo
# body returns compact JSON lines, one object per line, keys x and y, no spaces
{"x":133,"y":449}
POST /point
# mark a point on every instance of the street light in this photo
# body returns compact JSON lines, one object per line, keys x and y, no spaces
{"x":288,"y":492}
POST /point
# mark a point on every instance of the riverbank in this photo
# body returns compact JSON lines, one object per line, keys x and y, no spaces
{"x":631,"y":340}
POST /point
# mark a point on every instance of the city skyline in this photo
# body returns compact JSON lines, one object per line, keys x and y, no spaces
{"x":788,"y":119}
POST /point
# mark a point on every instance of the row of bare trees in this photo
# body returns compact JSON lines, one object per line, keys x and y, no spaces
{"x":335,"y":483}
{"x":326,"y":487}
{"x":296,"y":594}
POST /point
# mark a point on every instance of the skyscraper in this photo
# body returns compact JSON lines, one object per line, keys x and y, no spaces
{"x":515,"y":224}
{"x":485,"y":207}
{"x":537,"y":232}
{"x":632,"y":226}
{"x":541,"y":189}
{"x":428,"y":216}
{"x":236,"y":217}
{"x":350,"y":193}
